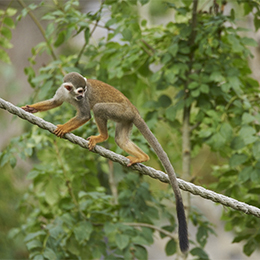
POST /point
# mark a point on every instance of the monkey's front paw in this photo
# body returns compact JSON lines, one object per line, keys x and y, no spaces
{"x":91,"y":142}
{"x":29,"y":109}
{"x":60,"y":131}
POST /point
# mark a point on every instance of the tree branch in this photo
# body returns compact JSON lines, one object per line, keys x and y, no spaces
{"x":91,"y":33}
{"x":186,"y":186}
{"x":40,"y":28}
{"x":165,"y":232}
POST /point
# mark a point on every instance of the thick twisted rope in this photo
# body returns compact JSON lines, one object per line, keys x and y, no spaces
{"x":186,"y":186}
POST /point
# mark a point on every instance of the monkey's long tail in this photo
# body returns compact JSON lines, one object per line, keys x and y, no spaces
{"x":149,"y":136}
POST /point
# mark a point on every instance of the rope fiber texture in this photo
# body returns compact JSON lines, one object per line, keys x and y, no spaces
{"x":163,"y":177}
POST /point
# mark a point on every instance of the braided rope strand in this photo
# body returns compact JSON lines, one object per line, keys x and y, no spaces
{"x":186,"y":186}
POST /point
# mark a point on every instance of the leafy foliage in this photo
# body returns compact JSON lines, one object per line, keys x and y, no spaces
{"x":71,"y":210}
{"x":6,"y":25}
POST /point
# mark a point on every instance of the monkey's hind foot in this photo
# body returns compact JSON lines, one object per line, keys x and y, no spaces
{"x":93,"y":140}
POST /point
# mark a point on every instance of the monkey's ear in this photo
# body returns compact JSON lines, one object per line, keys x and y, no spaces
{"x":68,"y":87}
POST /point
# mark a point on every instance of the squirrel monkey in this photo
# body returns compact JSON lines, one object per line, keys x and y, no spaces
{"x":106,"y":102}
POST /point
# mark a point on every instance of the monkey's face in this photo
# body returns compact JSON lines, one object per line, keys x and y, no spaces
{"x":79,"y":93}
{"x":75,"y":93}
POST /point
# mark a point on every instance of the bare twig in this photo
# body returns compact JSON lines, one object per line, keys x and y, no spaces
{"x":40,"y":28}
{"x":165,"y":232}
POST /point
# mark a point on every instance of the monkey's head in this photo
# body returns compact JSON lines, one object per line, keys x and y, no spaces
{"x":75,"y":85}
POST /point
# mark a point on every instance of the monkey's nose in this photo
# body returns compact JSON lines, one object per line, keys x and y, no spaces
{"x":79,"y":97}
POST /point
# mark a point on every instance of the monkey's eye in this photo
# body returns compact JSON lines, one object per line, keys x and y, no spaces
{"x":80,"y":91}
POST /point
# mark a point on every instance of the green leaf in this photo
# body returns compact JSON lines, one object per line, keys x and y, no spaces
{"x":244,"y":175}
{"x":73,"y":246}
{"x":11,"y":11}
{"x":202,"y":235}
{"x":13,"y":162}
{"x":111,"y":22}
{"x":49,"y":254}
{"x":127,"y":34}
{"x":247,"y":118}
{"x":55,"y":230}
{"x":235,"y":43}
{"x":170,"y":77}
{"x":33,"y":244}
{"x":254,"y":191}
{"x":173,"y":49}
{"x":247,"y":8}
{"x":226,"y":130}
{"x":204,"y":133}
{"x":256,"y":22}
{"x":249,"y":247}
{"x":87,"y":35}
{"x":237,"y":143}
{"x":30,"y":236}
{"x":6,"y":32}
{"x":237,"y":159}
{"x":232,"y":14}
{"x":225,"y":87}
{"x":171,"y":247}
{"x":223,"y":185}
{"x":51,"y":193}
{"x":143,"y":2}
{"x":83,"y":231}
{"x":186,"y":49}
{"x":48,"y":16}
{"x":247,"y":133}
{"x":40,"y":78}
{"x":168,"y":228}
{"x":13,"y":233}
{"x":82,"y":194}
{"x":140,"y":241}
{"x":49,"y":30}
{"x":235,"y":83}
{"x":5,"y":43}
{"x":110,"y":228}
{"x":68,"y":219}
{"x":141,"y":252}
{"x":255,"y":175}
{"x":249,"y":42}
{"x":60,"y":39}
{"x":164,"y":101}
{"x":256,"y":150}
{"x":9,"y":22}
{"x":193,"y":85}
{"x":217,"y":76}
{"x":156,"y":76}
{"x":166,"y":58}
{"x":239,"y":238}
{"x":195,"y":93}
{"x":122,"y":241}
{"x":32,"y":174}
{"x":217,"y":141}
{"x":4,"y":57}
{"x":170,"y":113}
{"x":204,"y":88}
{"x":38,"y":257}
{"x":147,"y":234}
{"x":197,"y":251}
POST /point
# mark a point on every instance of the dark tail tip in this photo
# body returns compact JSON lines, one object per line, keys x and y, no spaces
{"x":183,"y":230}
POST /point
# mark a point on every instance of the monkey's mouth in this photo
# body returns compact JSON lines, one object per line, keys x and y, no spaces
{"x":79,"y":97}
